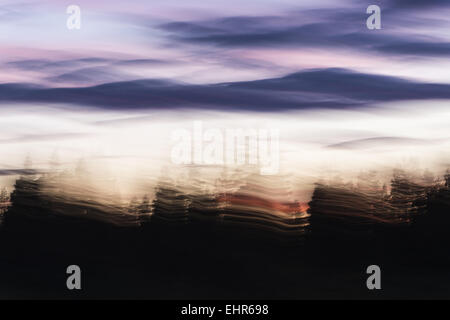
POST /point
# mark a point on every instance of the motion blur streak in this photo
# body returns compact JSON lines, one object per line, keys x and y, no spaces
{"x":103,"y":167}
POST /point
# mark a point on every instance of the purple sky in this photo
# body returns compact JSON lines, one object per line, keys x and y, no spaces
{"x":224,"y":54}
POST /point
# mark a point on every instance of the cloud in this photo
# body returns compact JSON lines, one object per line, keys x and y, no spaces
{"x":417,"y":3}
{"x":85,"y":71}
{"x":88,"y":76}
{"x":317,"y":88}
{"x":50,"y":65}
{"x":319,"y":28}
{"x":417,"y":48}
{"x":15,"y":172}
{"x":380,"y":142}
{"x":352,"y":85}
{"x":43,"y":137}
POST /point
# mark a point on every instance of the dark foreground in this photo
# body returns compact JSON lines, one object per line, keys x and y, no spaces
{"x":210,"y":259}
{"x":217,"y":262}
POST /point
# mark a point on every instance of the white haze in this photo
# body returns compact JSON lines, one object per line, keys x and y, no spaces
{"x":129,"y":151}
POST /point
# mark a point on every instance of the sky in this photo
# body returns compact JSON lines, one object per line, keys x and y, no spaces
{"x":193,"y":42}
{"x":114,"y":89}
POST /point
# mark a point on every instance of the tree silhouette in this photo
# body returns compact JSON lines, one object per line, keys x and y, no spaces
{"x":4,"y":195}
